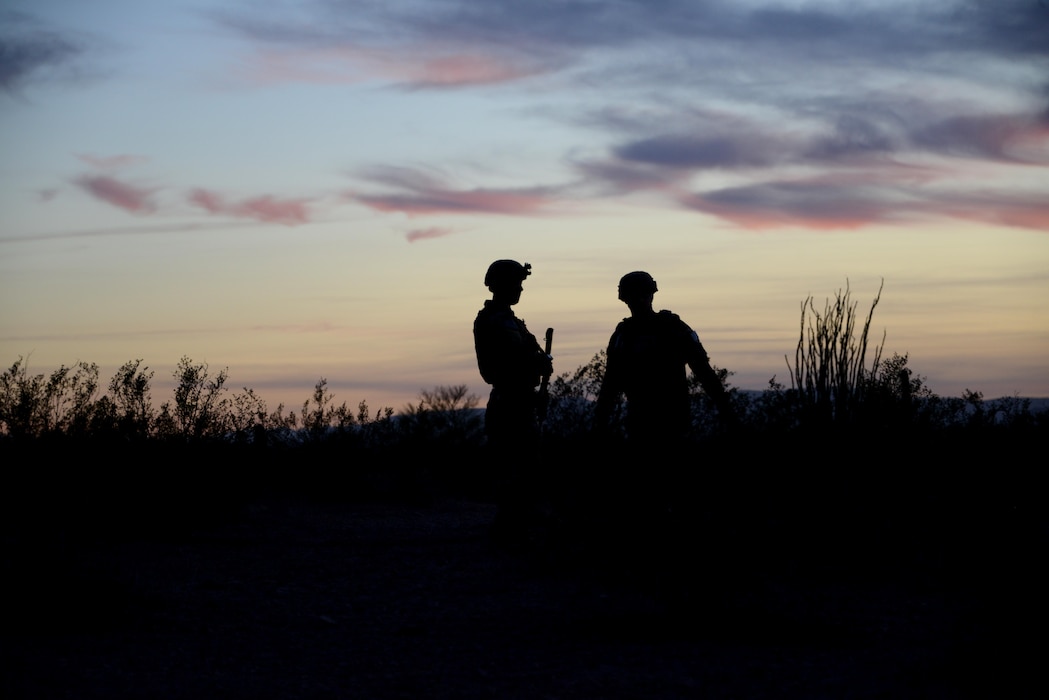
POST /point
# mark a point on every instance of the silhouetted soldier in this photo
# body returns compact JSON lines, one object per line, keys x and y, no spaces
{"x":647,"y":358}
{"x":510,"y":359}
{"x":646,"y":361}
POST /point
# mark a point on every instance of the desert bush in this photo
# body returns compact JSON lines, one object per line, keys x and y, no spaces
{"x":23,"y":409}
{"x":200,"y":409}
{"x":570,"y":411}
{"x":68,"y":395}
{"x":706,"y":419}
{"x":829,"y":376}
{"x":128,"y":411}
{"x":251,"y":422}
{"x":445,"y":415}
{"x":62,"y":404}
{"x":320,"y":415}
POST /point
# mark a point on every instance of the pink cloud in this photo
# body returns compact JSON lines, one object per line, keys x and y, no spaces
{"x":428,"y":67}
{"x":119,"y":194}
{"x":461,"y":69}
{"x":110,"y":162}
{"x":1018,"y":213}
{"x":207,"y":200}
{"x":266,"y":208}
{"x":426,"y":233}
{"x":288,"y":211}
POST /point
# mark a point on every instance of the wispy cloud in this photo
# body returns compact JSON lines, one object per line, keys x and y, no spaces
{"x":137,"y":200}
{"x":289,"y":212}
{"x":813,"y":203}
{"x":815,"y":32}
{"x":1020,"y":211}
{"x":412,"y":67}
{"x":674,"y":151}
{"x":29,"y":51}
{"x":423,"y":234}
{"x":860,"y":170}
{"x":823,"y":114}
{"x":154,"y":230}
{"x":111,"y":162}
{"x":994,"y":137}
{"x":850,"y":203}
{"x":417,"y":193}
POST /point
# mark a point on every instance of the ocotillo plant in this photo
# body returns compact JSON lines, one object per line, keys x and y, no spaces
{"x":829,"y":374}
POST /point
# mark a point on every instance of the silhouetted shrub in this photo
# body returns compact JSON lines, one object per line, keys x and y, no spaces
{"x":572,"y":395}
{"x":829,"y":375}
{"x":129,"y":391}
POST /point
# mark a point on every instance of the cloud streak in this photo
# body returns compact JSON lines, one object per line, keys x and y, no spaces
{"x":424,"y":234}
{"x":289,"y":212}
{"x":416,"y":194}
{"x":111,"y":162}
{"x":137,"y":200}
{"x":411,"y":67}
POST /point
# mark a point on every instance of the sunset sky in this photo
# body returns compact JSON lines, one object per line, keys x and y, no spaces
{"x":308,"y":189}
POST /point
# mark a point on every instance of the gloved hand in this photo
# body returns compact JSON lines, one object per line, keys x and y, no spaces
{"x":545,"y":364}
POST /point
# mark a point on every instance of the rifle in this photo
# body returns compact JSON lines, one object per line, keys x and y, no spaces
{"x":544,"y":386}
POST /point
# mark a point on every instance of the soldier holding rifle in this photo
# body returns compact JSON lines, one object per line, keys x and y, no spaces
{"x":511,"y":360}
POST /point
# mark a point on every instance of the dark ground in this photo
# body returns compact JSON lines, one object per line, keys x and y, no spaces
{"x":936,"y":593}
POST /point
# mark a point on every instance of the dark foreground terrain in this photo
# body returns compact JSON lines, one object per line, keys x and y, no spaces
{"x":865,"y":587}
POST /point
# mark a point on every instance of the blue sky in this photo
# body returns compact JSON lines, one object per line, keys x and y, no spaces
{"x":297,"y":190}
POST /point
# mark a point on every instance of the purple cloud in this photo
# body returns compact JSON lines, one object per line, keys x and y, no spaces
{"x":698,"y":152}
{"x":29,"y":52}
{"x":420,"y":194}
{"x":119,"y":194}
{"x":266,"y":208}
{"x":832,"y":203}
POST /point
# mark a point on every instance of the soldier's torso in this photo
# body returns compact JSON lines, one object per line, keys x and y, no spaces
{"x":650,"y":354}
{"x":505,"y":348}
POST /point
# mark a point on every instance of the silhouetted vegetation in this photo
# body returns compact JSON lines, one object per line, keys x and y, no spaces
{"x":856,"y":475}
{"x":865,"y":430}
{"x":833,"y":391}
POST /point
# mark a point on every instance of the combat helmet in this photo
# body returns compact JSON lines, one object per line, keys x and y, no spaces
{"x":504,"y":273}
{"x":635,"y":284}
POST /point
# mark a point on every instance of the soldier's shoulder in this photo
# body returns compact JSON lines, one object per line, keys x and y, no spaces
{"x":672,"y":322}
{"x":669,"y":318}
{"x":490,"y":310}
{"x":497,"y":318}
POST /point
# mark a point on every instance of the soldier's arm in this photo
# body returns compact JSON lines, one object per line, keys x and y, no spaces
{"x":699,"y":363}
